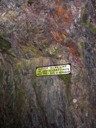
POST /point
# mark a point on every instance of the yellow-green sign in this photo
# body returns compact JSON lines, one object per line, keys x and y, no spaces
{"x":53,"y":70}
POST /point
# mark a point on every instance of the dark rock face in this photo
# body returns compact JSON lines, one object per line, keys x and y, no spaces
{"x":37,"y":33}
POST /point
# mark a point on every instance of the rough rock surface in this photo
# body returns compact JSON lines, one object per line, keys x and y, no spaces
{"x":47,"y":32}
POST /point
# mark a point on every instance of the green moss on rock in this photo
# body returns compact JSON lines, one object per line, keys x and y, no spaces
{"x":4,"y":44}
{"x":18,"y":66}
{"x":81,"y":46}
{"x":85,"y":18}
{"x":86,"y":23}
{"x":1,"y":76}
{"x":64,"y":37}
{"x":29,"y":48}
{"x":66,"y":78}
{"x":92,"y":28}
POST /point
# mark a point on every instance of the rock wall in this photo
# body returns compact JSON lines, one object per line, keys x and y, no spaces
{"x":47,"y":32}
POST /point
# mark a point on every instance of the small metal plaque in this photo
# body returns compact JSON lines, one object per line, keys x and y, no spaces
{"x":53,"y":70}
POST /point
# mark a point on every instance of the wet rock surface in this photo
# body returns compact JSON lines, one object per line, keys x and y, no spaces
{"x":37,"y":33}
